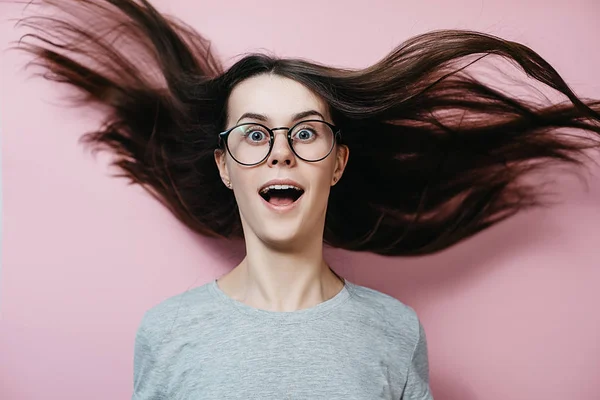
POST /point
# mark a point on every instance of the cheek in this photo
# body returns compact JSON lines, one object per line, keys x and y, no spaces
{"x":245,"y":183}
{"x":236,"y":175}
{"x":322,"y":180}
{"x":327,"y":171}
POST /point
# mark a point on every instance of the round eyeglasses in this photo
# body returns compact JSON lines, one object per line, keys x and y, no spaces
{"x":251,"y":143}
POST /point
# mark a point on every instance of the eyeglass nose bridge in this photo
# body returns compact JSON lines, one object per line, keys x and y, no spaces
{"x":280,"y":128}
{"x":273,"y":137}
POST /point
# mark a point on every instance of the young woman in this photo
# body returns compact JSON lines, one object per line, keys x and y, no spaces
{"x":409,"y":156}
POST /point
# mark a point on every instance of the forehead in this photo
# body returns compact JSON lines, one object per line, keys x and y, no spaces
{"x":274,"y":96}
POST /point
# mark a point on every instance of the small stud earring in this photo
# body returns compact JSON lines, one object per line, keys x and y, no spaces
{"x":228,"y":184}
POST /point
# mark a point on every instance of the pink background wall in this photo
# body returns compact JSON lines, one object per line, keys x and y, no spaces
{"x":510,"y":314}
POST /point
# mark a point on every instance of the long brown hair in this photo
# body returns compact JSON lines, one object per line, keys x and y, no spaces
{"x":436,"y":155}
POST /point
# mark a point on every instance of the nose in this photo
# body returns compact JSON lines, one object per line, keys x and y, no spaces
{"x":281,"y":152}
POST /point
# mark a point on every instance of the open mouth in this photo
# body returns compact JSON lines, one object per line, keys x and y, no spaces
{"x":281,"y":195}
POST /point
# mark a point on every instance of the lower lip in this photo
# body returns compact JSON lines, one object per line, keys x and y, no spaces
{"x":281,"y":209}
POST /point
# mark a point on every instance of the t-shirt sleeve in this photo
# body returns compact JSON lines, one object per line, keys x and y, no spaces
{"x":417,"y":383}
{"x":146,"y":375}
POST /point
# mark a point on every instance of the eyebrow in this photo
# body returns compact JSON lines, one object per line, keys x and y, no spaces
{"x":296,"y":117}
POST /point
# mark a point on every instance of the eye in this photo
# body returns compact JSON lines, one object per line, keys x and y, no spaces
{"x":255,"y":134}
{"x":305,"y":134}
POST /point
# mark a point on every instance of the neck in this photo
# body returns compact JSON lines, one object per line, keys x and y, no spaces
{"x":282,"y":280}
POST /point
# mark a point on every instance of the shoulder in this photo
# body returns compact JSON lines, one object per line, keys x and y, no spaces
{"x":178,"y":312}
{"x":385,"y":310}
{"x":373,"y":299}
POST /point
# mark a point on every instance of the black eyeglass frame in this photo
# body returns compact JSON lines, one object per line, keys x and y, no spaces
{"x":223,"y":136}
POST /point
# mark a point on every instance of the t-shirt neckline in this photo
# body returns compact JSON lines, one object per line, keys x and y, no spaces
{"x":305,"y":314}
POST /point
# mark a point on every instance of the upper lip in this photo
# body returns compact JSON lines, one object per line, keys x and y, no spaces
{"x":281,"y":182}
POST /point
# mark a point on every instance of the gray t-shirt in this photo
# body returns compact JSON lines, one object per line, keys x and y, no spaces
{"x":203,"y":345}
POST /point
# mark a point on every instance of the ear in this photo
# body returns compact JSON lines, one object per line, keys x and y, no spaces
{"x":220,"y":158}
{"x":341,"y":159}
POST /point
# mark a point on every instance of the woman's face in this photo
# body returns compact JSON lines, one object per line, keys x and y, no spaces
{"x":275,"y":218}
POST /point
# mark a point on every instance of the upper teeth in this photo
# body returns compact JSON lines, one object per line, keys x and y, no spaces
{"x":279,"y":187}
